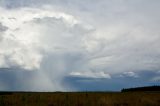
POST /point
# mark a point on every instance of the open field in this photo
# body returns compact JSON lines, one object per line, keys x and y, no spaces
{"x":80,"y":99}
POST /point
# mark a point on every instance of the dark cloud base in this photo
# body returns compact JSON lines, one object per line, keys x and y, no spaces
{"x":22,"y":80}
{"x":116,"y":83}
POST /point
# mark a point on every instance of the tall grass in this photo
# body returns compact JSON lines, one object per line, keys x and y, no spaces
{"x":81,"y":99}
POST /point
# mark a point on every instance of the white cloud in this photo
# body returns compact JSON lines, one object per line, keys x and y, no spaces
{"x":129,"y":74}
{"x":35,"y":31}
{"x":129,"y":42}
{"x":42,"y":40}
{"x":90,"y":74}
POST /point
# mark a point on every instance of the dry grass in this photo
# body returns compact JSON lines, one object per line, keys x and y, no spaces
{"x":81,"y":99}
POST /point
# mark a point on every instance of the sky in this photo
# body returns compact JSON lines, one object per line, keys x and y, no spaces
{"x":79,"y":45}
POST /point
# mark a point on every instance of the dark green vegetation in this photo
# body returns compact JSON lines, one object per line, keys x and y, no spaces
{"x":80,"y":99}
{"x":142,"y":89}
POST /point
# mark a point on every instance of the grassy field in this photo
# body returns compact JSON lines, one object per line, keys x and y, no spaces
{"x":80,"y":99}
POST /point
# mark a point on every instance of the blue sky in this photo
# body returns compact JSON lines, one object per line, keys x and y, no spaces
{"x":76,"y":45}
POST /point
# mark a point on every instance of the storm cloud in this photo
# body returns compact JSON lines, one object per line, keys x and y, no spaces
{"x":94,"y":39}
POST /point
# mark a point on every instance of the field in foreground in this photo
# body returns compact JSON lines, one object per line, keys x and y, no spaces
{"x":80,"y":99}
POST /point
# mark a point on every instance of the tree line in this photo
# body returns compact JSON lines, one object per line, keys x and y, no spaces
{"x":146,"y":88}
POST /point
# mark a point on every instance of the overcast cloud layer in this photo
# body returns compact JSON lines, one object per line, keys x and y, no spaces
{"x":95,"y":39}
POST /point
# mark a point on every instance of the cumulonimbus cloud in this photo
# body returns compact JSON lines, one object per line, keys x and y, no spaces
{"x":43,"y":40}
{"x":119,"y":38}
{"x":34,"y":32}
